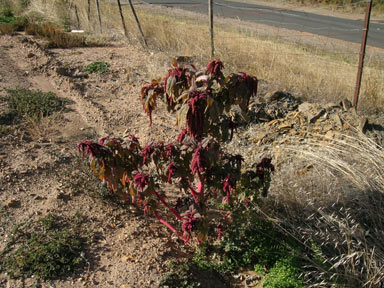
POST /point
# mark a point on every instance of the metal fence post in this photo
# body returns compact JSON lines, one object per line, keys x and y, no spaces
{"x":362,"y":54}
{"x":210,"y":13}
{"x":122,"y":18}
{"x":137,"y":22}
{"x":99,"y":16}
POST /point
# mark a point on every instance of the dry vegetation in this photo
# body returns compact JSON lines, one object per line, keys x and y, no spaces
{"x":313,"y":68}
{"x":336,"y":211}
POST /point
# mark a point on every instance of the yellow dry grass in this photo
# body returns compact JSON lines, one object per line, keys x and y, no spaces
{"x":346,"y":189}
{"x":312,"y":69}
{"x":335,"y":209}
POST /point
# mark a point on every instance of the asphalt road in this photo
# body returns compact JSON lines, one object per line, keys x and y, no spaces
{"x":333,"y":27}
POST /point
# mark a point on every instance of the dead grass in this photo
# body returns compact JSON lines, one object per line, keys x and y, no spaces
{"x":335,"y":209}
{"x":308,"y":67}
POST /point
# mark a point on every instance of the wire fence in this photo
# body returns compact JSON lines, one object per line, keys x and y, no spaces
{"x":286,"y":46}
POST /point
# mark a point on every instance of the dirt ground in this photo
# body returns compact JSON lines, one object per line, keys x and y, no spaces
{"x":41,"y":169}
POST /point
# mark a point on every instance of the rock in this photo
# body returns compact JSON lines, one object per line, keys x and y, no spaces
{"x":346,"y":104}
{"x":63,"y":196}
{"x":311,"y":111}
{"x":13,"y":203}
{"x":363,"y":125}
{"x":274,"y":96}
{"x":337,"y":120}
{"x":124,"y":259}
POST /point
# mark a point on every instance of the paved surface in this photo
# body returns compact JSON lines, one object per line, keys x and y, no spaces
{"x":344,"y":29}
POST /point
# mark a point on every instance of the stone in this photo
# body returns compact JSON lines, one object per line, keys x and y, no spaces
{"x":275,"y":95}
{"x":13,"y":203}
{"x":311,"y":111}
{"x":124,"y":259}
{"x":363,"y":125}
{"x":346,"y":104}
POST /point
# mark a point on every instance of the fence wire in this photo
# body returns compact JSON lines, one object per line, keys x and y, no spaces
{"x":271,"y":48}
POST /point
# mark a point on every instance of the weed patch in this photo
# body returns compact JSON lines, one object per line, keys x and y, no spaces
{"x":96,"y":67}
{"x":10,"y":24}
{"x":50,"y":248}
{"x":32,"y":105}
{"x":187,"y":275}
{"x":283,"y":274}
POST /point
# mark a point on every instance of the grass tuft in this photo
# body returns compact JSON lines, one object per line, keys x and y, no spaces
{"x":335,"y":210}
{"x":32,"y":105}
{"x":10,"y":24}
{"x":96,"y":67}
{"x":56,"y":37}
{"x":50,"y":248}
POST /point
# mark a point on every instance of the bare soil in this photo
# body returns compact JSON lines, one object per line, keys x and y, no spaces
{"x":41,"y":171}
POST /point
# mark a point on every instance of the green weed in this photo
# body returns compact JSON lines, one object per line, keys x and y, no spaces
{"x":33,"y":105}
{"x":186,"y":274}
{"x":283,"y":274}
{"x":50,"y":248}
{"x":96,"y":67}
{"x":251,"y":242}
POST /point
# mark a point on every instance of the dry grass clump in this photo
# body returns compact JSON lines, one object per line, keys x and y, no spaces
{"x":56,"y":37}
{"x":335,"y":209}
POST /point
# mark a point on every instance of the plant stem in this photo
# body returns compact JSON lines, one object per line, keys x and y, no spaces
{"x":174,"y":212}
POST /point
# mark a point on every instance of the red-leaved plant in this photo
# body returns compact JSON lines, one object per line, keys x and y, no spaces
{"x":196,"y":163}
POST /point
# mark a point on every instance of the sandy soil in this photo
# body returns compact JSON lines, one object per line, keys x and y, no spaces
{"x":41,"y":170}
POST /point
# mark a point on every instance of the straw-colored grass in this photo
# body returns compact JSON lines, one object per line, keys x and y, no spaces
{"x":335,"y":209}
{"x":318,"y":69}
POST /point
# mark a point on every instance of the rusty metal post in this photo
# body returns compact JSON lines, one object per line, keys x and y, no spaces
{"x":122,"y":19}
{"x":138,"y":23}
{"x":99,"y":15}
{"x":362,"y":54}
{"x":210,"y":15}
{"x":89,"y":11}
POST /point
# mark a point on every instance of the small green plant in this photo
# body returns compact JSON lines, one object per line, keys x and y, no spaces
{"x":33,"y":105}
{"x":50,"y":248}
{"x":180,"y":275}
{"x":283,"y":274}
{"x":186,"y":274}
{"x":96,"y":67}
